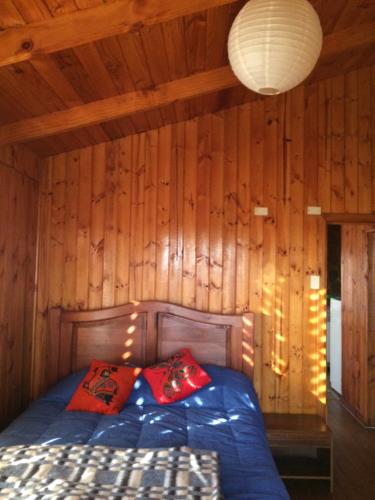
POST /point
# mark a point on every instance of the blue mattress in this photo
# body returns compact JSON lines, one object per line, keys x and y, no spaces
{"x":223,"y":416}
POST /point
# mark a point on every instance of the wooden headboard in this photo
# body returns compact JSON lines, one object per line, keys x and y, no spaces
{"x":145,"y":332}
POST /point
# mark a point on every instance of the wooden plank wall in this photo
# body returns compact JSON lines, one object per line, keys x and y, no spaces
{"x":18,"y":234}
{"x":371,"y":331}
{"x":169,"y":214}
{"x":357,"y":319}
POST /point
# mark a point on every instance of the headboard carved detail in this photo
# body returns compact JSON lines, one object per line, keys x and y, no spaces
{"x":145,"y":332}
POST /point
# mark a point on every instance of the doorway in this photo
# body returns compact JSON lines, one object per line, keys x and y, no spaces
{"x":334,"y":327}
{"x":351,"y":317}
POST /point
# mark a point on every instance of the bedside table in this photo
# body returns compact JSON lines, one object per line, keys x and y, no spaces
{"x":301,"y":445}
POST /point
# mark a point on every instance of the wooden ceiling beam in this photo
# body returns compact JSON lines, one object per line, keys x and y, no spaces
{"x":361,"y":38}
{"x":21,"y":43}
{"x":118,"y":106}
{"x":349,"y":39}
{"x":342,"y":48}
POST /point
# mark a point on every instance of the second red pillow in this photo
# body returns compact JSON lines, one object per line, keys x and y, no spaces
{"x":176,"y":378}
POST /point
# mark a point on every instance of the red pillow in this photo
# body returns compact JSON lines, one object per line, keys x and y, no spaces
{"x":176,"y":378}
{"x":105,"y":389}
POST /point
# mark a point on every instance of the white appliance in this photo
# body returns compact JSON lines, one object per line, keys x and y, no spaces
{"x":335,"y":345}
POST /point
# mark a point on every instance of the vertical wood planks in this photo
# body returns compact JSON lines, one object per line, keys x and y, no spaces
{"x":243,"y":210}
{"x":256,"y":235}
{"x":282,"y":296}
{"x":177,"y":208}
{"x":3,"y":241}
{"x":29,"y":292}
{"x":9,"y":273}
{"x":110,"y":225}
{"x":311,"y":369}
{"x":124,"y":159}
{"x":57,"y":230}
{"x":169,"y":215}
{"x":83,"y":227}
{"x":324,"y":144}
{"x":338,"y":145}
{"x":362,"y":254}
{"x":138,"y":209}
{"x":271,"y":358}
{"x":297,"y":297}
{"x":149,"y":229}
{"x":372,"y":136}
{"x":190,"y":214}
{"x":163,"y":212}
{"x":97,"y":227}
{"x":351,"y":143}
{"x":40,"y":334}
{"x":216,"y":214}
{"x":230,"y":209}
{"x":18,"y":242}
{"x":357,"y":345}
{"x":70,"y":227}
{"x":203,"y":216}
{"x":371,"y":329}
{"x":364,"y":141}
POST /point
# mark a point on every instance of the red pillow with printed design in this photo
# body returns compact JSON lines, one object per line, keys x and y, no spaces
{"x":177,"y":378}
{"x":105,"y":389}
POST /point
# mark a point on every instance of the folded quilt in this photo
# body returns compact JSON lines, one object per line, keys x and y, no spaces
{"x":73,"y":472}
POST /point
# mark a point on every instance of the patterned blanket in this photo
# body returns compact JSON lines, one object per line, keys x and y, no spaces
{"x":87,"y":472}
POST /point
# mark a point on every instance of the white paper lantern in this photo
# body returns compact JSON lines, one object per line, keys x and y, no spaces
{"x":274,"y":44}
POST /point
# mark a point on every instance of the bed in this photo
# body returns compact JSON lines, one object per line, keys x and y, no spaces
{"x":224,"y":417}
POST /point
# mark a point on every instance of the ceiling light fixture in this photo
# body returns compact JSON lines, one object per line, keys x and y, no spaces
{"x":274,"y":45}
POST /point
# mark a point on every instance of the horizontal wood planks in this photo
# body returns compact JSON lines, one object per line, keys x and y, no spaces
{"x":18,"y":242}
{"x":169,"y":215}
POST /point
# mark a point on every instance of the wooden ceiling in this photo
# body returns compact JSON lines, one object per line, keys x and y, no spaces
{"x":145,"y":58}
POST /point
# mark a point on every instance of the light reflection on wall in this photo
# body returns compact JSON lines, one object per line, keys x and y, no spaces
{"x":278,"y":364}
{"x":132,"y":328}
{"x":266,"y":302}
{"x":317,"y":327}
{"x":248,"y":351}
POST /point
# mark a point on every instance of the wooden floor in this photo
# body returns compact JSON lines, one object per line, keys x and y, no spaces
{"x":354,"y":461}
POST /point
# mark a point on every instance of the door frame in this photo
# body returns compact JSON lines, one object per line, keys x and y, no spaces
{"x":348,"y":218}
{"x":340,"y":219}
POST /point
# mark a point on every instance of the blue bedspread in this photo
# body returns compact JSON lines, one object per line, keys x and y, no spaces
{"x":224,"y":416}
